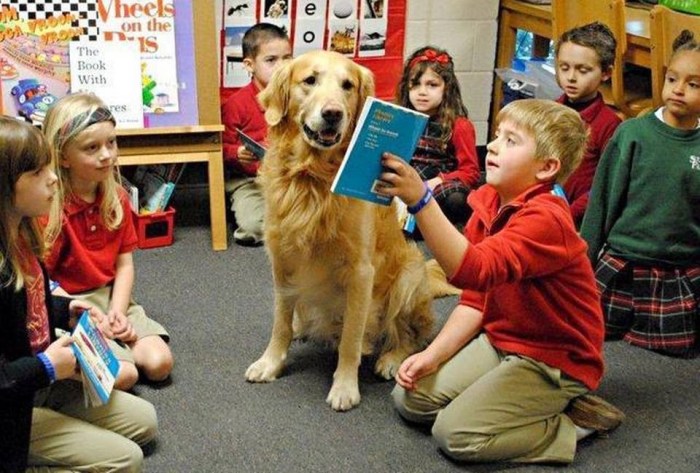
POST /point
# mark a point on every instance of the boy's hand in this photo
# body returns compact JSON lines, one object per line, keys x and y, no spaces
{"x":245,"y":156}
{"x":413,"y":368}
{"x":402,"y":180}
{"x":61,"y":356}
{"x":121,"y":327}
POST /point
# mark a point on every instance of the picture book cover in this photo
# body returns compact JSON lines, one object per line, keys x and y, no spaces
{"x":382,"y":127}
{"x":34,"y":50}
{"x":251,"y":145}
{"x":98,"y":365}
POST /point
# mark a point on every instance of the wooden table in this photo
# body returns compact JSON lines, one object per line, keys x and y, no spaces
{"x":183,"y":144}
{"x":518,"y":15}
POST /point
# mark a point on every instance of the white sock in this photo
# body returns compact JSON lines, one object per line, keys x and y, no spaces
{"x":582,"y":432}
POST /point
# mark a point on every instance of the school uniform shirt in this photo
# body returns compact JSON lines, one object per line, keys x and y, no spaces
{"x":458,"y":159}
{"x":21,"y":372}
{"x":602,"y":122}
{"x":526,"y":269}
{"x":84,"y":256}
{"x":645,"y":200}
{"x":242,"y":110}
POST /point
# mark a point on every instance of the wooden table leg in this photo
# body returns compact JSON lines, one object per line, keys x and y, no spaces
{"x":217,"y":201}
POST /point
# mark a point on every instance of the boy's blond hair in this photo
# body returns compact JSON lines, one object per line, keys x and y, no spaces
{"x":557,"y":129}
{"x":69,"y":117}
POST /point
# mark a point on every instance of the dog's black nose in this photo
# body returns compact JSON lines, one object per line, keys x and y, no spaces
{"x":332,"y":116}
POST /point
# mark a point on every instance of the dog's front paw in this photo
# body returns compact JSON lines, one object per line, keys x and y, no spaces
{"x":344,"y":395}
{"x":263,"y":371}
{"x":388,"y":364}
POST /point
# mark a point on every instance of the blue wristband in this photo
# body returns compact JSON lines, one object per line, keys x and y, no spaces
{"x":414,"y":209}
{"x":48,"y":366}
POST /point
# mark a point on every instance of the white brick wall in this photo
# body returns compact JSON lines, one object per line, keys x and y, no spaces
{"x":467,"y":29}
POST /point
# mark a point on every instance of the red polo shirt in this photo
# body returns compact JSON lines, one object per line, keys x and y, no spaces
{"x":84,"y":256}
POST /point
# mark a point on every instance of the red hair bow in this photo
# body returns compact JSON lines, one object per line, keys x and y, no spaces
{"x":430,"y":55}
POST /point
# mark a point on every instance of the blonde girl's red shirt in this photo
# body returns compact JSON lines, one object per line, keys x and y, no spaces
{"x":527,"y":269}
{"x":84,"y":256}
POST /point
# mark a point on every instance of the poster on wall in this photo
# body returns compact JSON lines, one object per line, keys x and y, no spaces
{"x":239,"y":16}
{"x":371,"y":32}
{"x":35,"y":39}
{"x":112,"y":71}
{"x":152,"y":27}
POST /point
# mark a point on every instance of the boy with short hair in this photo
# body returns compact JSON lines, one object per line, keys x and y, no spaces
{"x":585,"y":56}
{"x":265,"y":48}
{"x":507,"y":377}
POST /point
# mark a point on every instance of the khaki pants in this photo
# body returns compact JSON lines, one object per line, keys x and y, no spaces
{"x":67,"y":436}
{"x":489,"y":406}
{"x":248,"y":204}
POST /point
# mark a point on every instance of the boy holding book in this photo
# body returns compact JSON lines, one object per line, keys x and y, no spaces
{"x":265,"y":48}
{"x":507,"y":378}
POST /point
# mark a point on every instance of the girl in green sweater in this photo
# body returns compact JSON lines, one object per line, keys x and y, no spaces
{"x":643,"y":219}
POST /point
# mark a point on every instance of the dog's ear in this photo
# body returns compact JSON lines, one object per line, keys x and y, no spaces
{"x":366,"y":85}
{"x":275,"y":97}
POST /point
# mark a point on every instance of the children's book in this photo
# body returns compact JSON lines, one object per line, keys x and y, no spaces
{"x":156,"y":184}
{"x":98,"y":365}
{"x":251,"y":145}
{"x":382,"y":127}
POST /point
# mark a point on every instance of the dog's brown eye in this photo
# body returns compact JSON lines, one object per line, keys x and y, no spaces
{"x":347,"y":85}
{"x":311,"y":80}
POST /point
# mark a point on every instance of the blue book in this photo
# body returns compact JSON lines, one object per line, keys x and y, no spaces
{"x":98,"y":365}
{"x":382,"y":127}
{"x":251,"y":145}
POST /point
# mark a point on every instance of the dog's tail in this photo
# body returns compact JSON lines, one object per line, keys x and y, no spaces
{"x":437,"y":279}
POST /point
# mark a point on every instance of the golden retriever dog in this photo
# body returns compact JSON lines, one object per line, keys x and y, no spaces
{"x":343,"y":271}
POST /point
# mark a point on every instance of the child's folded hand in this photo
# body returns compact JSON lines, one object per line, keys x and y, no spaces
{"x":122,"y":328}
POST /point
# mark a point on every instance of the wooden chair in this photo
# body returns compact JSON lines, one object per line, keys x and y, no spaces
{"x":665,"y":26}
{"x":567,"y":14}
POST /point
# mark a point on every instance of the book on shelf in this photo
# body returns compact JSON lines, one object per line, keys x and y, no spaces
{"x":382,"y":127}
{"x":133,"y":193}
{"x":98,"y":365}
{"x":155,"y":185}
{"x":251,"y":145}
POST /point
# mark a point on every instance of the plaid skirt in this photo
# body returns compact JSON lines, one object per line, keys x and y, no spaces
{"x":656,"y":308}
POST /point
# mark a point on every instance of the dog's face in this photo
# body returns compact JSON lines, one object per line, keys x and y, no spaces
{"x":321,"y":93}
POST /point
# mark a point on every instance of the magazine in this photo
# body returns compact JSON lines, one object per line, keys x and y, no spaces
{"x":382,"y":127}
{"x":98,"y":365}
{"x":251,"y":145}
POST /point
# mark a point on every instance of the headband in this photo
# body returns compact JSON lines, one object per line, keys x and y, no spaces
{"x":82,"y":121}
{"x":430,"y":55}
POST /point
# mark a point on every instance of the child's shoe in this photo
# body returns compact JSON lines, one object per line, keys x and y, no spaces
{"x":595,"y":414}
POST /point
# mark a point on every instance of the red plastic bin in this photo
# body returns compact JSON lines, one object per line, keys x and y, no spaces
{"x":155,"y":229}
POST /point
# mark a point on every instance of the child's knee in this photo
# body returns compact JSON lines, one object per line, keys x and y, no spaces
{"x":156,"y":362}
{"x":127,"y":377}
{"x":413,"y":406}
{"x":453,"y":438}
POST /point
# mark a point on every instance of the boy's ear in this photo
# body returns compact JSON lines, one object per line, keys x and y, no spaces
{"x":606,"y":74}
{"x":248,"y":65}
{"x":549,"y":168}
